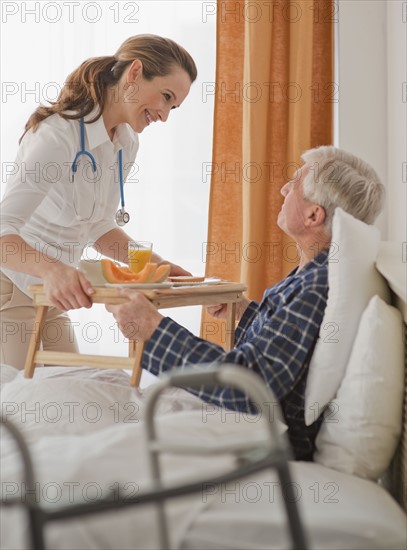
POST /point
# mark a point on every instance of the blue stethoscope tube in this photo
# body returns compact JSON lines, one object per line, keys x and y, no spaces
{"x":122,"y":217}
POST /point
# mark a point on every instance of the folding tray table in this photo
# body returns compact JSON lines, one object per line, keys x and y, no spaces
{"x":222,"y":293}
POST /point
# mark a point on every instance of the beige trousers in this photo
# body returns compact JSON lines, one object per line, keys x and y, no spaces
{"x":17,"y":314}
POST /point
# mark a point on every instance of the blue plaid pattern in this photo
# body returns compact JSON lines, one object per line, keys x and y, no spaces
{"x":275,"y":339}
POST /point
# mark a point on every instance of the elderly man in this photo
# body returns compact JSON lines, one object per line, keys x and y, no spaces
{"x":276,"y":337}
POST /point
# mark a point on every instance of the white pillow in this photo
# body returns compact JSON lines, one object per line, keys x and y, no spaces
{"x":353,"y":280}
{"x":359,"y":435}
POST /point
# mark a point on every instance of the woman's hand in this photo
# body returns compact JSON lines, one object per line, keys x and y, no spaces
{"x":67,"y":287}
{"x":176,"y":270}
{"x":220,"y":310}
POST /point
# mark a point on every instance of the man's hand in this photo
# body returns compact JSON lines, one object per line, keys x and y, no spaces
{"x":220,"y":310}
{"x":137,"y":318}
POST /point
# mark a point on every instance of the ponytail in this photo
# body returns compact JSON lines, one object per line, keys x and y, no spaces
{"x":83,"y":90}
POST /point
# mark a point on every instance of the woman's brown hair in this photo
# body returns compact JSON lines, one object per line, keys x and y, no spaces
{"x":86,"y":86}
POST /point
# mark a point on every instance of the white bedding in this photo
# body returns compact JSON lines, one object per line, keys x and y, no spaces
{"x":85,"y":434}
{"x":339,"y":511}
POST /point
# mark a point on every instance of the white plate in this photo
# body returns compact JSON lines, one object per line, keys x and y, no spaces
{"x":140,"y":285}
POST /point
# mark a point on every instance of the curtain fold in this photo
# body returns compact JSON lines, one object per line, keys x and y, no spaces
{"x":279,"y":56}
{"x":222,"y":249}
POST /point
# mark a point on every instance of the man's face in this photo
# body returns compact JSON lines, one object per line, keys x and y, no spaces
{"x":293,"y":214}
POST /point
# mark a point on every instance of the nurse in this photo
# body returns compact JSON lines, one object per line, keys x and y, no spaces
{"x":59,"y":201}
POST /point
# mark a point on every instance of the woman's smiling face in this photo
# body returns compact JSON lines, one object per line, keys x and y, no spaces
{"x":147,"y":101}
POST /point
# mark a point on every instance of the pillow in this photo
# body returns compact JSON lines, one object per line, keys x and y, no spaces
{"x":353,"y":280}
{"x":360,"y":433}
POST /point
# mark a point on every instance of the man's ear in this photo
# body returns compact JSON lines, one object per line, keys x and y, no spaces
{"x":317,"y":216}
{"x":135,"y":71}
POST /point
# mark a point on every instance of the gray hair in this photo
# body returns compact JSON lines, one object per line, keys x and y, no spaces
{"x":338,"y":178}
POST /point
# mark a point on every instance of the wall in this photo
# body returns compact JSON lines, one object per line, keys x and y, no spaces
{"x":372,"y":111}
{"x":397,"y":119}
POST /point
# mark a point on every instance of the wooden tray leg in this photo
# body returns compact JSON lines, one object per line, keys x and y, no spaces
{"x":136,"y":349}
{"x":230,"y":326}
{"x":35,"y":341}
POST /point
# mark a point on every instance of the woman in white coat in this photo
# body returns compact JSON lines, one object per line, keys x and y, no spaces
{"x":58,"y":202}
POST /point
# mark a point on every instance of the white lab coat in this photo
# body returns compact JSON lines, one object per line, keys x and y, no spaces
{"x":44,"y":207}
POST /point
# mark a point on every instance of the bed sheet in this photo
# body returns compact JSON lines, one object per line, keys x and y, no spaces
{"x":339,"y":511}
{"x":86,"y":435}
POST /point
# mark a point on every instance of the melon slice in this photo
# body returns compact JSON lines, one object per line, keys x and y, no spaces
{"x":115,"y":274}
{"x":161,"y":273}
{"x":147,"y":273}
{"x":121,"y":275}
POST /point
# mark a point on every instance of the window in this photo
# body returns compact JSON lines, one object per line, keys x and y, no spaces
{"x":168,"y":194}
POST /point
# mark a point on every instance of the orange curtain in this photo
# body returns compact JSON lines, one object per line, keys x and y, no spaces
{"x":274,"y":99}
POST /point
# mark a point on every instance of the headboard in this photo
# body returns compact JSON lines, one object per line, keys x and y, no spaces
{"x":392,"y":264}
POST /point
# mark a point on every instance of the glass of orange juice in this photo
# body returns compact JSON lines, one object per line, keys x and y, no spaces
{"x":139,"y":254}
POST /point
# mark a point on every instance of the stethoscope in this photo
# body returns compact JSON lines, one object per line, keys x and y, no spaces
{"x":122,"y":217}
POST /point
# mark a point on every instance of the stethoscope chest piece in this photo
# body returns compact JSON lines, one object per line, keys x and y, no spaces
{"x":122,"y":217}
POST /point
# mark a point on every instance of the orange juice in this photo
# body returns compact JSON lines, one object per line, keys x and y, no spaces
{"x":139,"y":254}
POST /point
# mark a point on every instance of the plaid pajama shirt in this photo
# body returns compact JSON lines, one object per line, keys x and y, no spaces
{"x":274,"y":339}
